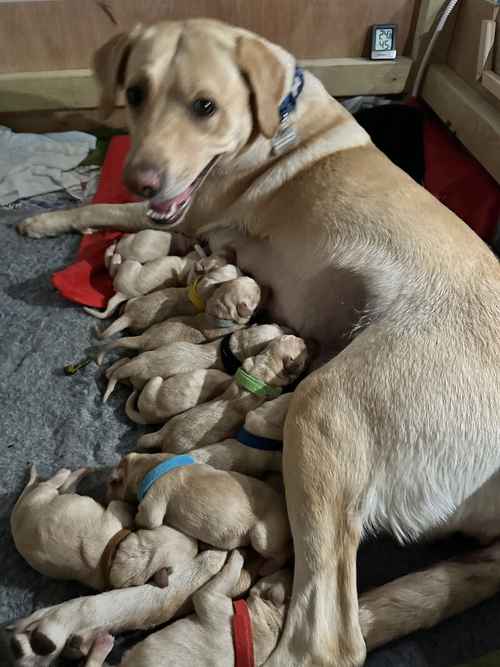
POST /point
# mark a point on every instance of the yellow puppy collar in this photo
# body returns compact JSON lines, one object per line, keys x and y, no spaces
{"x":194,"y":296}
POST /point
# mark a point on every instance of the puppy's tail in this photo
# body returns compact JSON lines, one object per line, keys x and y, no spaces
{"x":118,"y":325}
{"x":129,"y":342}
{"x":32,"y":482}
{"x":113,"y":304}
{"x":132,"y":413}
{"x":112,"y":379}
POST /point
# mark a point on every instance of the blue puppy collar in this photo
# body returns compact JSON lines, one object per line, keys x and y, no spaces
{"x":161,"y":470}
{"x":258,"y":442}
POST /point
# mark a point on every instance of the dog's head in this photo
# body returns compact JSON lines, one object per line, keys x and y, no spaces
{"x":196,"y":92}
{"x":281,"y":362}
{"x":235,"y":300}
{"x":125,"y":478}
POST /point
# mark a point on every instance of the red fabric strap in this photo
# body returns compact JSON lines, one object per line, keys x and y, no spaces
{"x":242,"y":635}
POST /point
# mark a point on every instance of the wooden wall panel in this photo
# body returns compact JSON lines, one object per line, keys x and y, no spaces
{"x":62,"y":34}
{"x":463,"y":51}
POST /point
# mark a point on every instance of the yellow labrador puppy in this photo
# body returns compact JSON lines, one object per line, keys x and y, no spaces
{"x":399,"y":425}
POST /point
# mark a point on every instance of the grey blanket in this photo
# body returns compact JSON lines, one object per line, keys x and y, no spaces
{"x":57,"y":421}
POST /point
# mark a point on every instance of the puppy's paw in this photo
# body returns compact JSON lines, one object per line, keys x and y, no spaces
{"x":37,"y":640}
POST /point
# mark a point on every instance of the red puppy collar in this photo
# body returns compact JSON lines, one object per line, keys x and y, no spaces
{"x":242,"y":635}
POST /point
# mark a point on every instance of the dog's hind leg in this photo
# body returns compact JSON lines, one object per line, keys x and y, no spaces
{"x":102,"y":647}
{"x":214,"y":597}
{"x":423,"y":599}
{"x":325,"y":476}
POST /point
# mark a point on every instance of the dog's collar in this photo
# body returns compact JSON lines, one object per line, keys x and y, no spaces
{"x":286,"y":135}
{"x":195,"y":297}
{"x":242,"y":635}
{"x":109,"y":553}
{"x":230,"y":361}
{"x":160,"y":470}
{"x":224,"y":324}
{"x":255,"y":386}
{"x":258,"y":441}
{"x":290,"y":102}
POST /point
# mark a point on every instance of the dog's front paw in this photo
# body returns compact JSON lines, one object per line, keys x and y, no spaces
{"x":35,"y":227}
{"x":50,"y":224}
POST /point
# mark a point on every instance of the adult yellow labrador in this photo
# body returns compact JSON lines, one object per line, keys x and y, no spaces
{"x":398,"y":428}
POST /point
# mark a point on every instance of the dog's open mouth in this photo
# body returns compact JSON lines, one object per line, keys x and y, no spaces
{"x":171,"y":211}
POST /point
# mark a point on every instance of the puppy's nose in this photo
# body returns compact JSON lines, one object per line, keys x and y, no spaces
{"x":143,"y":179}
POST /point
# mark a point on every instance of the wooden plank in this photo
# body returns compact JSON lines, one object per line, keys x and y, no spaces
{"x":491,"y":81}
{"x":360,"y":76}
{"x":463,"y":53}
{"x":62,"y":120}
{"x":486,"y":44}
{"x":474,"y":121}
{"x":63,"y":34}
{"x":68,"y":89}
{"x":76,"y":89}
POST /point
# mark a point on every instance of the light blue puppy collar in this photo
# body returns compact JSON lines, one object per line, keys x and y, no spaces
{"x":160,"y":470}
{"x":224,"y":324}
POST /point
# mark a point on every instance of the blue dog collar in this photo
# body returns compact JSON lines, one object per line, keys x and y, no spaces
{"x":290,"y":102}
{"x":161,"y":470}
{"x":258,"y":442}
{"x":286,"y":135}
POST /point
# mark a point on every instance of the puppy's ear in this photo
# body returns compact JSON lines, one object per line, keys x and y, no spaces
{"x":109,"y":65}
{"x":267,"y":77}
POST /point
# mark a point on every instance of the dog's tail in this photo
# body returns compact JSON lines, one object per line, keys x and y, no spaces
{"x":129,"y":342}
{"x":115,"y":327}
{"x":32,"y":481}
{"x":113,"y":304}
{"x":112,"y":380}
{"x":132,"y":413}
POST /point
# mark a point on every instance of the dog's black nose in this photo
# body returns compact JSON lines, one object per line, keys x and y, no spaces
{"x":143,"y":179}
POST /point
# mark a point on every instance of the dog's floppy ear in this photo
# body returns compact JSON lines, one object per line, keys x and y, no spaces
{"x":267,"y":77}
{"x":109,"y":65}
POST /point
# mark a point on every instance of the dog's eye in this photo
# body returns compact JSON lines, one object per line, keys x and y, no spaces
{"x":135,"y":96}
{"x":203,"y":107}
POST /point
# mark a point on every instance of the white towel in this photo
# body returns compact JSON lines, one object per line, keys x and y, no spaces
{"x":33,"y":164}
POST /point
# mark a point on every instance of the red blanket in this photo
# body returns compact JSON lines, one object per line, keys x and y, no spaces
{"x":452,"y":175}
{"x":86,"y":281}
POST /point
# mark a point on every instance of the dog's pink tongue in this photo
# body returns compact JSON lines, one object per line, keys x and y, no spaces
{"x":165,"y":206}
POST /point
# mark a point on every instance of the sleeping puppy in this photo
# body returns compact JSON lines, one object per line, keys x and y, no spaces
{"x":144,"y":246}
{"x":133,"y":278}
{"x":195,"y":329}
{"x":185,"y":357}
{"x":142,"y":311}
{"x":224,"y":509}
{"x":206,"y":637}
{"x":67,"y":536}
{"x":200,"y":328}
{"x":161,"y":399}
{"x":279,"y":364}
{"x":249,"y":455}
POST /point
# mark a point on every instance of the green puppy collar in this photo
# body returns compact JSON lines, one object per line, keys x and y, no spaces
{"x":255,"y":386}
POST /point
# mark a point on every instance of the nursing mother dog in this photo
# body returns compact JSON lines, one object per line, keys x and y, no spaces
{"x":398,"y":426}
